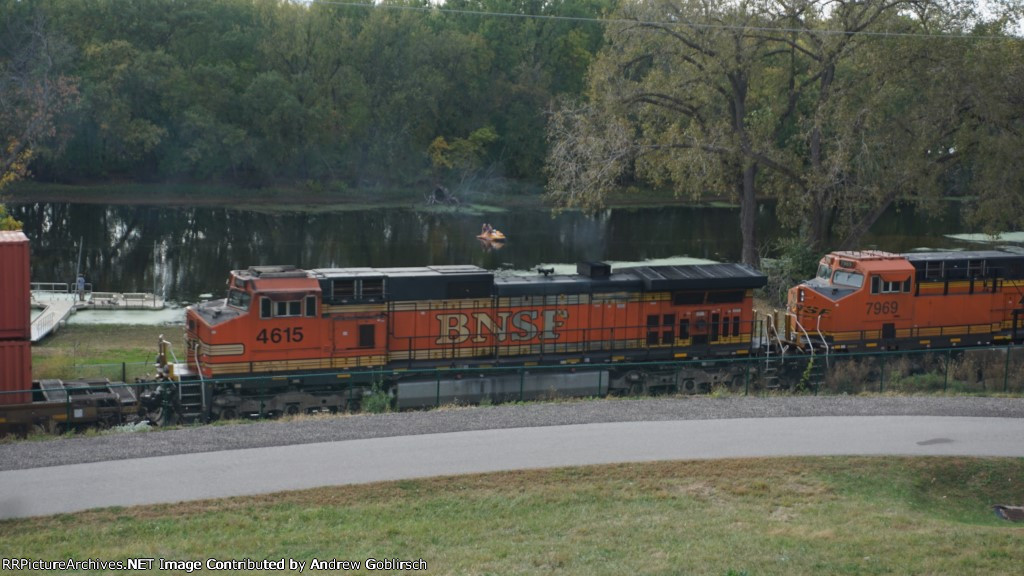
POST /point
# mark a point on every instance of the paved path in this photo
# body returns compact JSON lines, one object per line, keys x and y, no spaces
{"x":61,"y":489}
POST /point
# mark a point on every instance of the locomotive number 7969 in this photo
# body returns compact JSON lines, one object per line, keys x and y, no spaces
{"x":880,"y":308}
{"x":278,"y":335}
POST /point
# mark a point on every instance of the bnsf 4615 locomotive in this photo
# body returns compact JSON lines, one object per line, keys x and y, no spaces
{"x":287,"y":340}
{"x":866,"y":300}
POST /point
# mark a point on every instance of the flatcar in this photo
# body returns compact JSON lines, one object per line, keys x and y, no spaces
{"x":863,"y":300}
{"x":287,"y":340}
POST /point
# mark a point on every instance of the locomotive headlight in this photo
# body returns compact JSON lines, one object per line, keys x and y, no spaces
{"x":800,"y":295}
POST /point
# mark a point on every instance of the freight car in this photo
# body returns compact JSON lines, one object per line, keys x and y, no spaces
{"x":287,"y":340}
{"x":878,"y":300}
{"x":60,"y":405}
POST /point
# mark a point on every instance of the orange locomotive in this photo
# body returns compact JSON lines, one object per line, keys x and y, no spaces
{"x":878,"y":300}
{"x":290,"y":340}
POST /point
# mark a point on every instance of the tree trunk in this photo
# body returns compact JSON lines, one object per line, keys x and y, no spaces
{"x":748,"y":211}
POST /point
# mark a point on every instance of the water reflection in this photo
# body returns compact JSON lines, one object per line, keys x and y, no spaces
{"x":183,"y":252}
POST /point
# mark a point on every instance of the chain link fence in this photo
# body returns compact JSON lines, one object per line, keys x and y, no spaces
{"x":994,"y":370}
{"x":969,"y":371}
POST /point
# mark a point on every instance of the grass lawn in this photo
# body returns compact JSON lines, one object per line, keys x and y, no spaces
{"x":80,"y":344}
{"x":731,"y":517}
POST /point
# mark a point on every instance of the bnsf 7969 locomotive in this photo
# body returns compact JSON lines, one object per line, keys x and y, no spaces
{"x":284,"y":339}
{"x":865,"y":300}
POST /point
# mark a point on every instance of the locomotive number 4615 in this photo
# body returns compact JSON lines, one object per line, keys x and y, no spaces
{"x":278,"y":335}
{"x":883,"y":307}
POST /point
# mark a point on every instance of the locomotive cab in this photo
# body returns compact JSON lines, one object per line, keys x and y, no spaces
{"x":268,"y":309}
{"x":863,"y":296}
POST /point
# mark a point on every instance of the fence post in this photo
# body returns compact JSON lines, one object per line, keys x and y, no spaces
{"x":437,"y":391}
{"x":600,"y":377}
{"x":522,"y":378}
{"x":1006,"y":370}
{"x":949,"y":358}
{"x":746,"y":378}
{"x":881,"y":379}
{"x":124,"y":372}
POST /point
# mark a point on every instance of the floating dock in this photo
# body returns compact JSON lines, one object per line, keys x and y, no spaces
{"x":60,"y":301}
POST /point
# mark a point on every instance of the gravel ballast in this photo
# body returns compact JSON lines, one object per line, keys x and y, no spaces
{"x":118,"y":446}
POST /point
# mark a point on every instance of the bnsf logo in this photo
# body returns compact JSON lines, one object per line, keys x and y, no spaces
{"x":524,"y":325}
{"x":812,"y":310}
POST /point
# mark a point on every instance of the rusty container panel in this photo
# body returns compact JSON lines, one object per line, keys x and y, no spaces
{"x":15,"y":371}
{"x":15,"y":317}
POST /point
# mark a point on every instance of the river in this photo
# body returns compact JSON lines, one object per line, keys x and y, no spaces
{"x":181,"y":253}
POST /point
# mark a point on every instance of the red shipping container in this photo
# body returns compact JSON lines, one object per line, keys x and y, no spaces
{"x":15,"y":290}
{"x":15,"y":371}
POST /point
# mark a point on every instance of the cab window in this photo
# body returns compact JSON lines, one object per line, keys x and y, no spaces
{"x":880,"y":285}
{"x":846,"y":278}
{"x":288,"y":308}
{"x":280,"y":308}
{"x":239,"y":299}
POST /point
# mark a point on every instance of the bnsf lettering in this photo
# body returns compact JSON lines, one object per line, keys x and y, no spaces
{"x":455,"y":328}
{"x":813,"y":310}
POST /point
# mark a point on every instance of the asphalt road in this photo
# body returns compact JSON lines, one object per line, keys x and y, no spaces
{"x":217,"y":474}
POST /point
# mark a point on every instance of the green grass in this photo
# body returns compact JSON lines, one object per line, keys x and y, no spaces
{"x":80,"y":344}
{"x":755,"y":517}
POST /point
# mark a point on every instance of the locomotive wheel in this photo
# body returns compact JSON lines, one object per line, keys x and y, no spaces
{"x":292,"y":409}
{"x":228,"y":414}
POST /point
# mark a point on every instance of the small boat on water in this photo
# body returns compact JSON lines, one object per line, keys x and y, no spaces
{"x":492,"y":236}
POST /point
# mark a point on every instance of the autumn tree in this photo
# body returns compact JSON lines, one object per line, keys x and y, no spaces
{"x":987,"y":149}
{"x":460,"y":158}
{"x":869,"y":106}
{"x":673,"y":101}
{"x":33,"y":92}
{"x":817,"y":104}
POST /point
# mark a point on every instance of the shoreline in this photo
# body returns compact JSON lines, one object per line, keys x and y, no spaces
{"x":180,"y":195}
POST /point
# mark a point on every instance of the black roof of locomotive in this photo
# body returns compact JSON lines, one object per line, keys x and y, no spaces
{"x":636,"y":278}
{"x":467,"y":281}
{"x":563,"y":284}
{"x":698,"y":277}
{"x":417,"y":283}
{"x":1005,"y":263}
{"x":965,"y":255}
